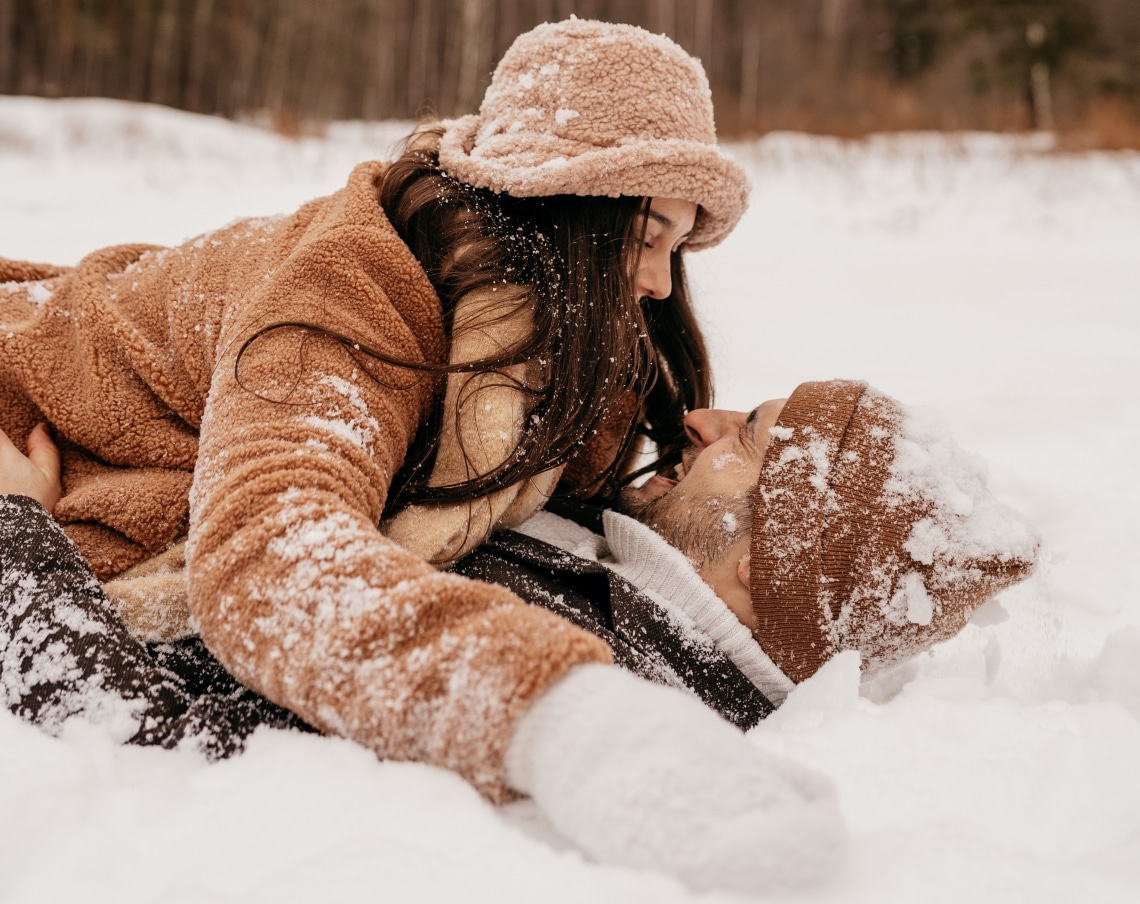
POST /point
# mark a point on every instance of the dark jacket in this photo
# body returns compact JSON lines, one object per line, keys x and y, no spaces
{"x":52,"y":608}
{"x":64,"y":652}
{"x":644,"y":641}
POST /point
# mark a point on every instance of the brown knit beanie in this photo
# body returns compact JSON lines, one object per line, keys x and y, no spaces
{"x":592,"y":108}
{"x":872,"y":531}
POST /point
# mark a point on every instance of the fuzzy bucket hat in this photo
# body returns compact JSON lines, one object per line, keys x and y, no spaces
{"x":872,"y":530}
{"x":592,"y":108}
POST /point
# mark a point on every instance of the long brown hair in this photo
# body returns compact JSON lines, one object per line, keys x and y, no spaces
{"x":596,"y":342}
{"x":567,"y":260}
{"x":684,"y":378}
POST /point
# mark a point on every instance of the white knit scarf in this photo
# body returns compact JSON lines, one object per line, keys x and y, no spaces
{"x":668,"y":578}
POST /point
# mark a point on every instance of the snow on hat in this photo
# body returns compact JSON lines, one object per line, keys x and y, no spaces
{"x":592,"y":108}
{"x":872,"y":530}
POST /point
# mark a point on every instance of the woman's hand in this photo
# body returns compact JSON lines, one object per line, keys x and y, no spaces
{"x":646,"y":776}
{"x":35,"y":474}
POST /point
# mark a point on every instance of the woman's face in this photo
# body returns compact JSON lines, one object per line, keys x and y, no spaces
{"x":668,"y":224}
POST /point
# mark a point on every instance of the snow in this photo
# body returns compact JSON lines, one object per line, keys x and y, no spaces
{"x":980,"y":275}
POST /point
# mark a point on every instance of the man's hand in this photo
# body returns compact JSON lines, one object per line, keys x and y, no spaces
{"x":35,"y":474}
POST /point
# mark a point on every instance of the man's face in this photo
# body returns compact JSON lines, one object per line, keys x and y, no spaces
{"x":709,"y":507}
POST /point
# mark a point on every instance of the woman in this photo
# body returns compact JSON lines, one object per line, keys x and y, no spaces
{"x":274,"y":389}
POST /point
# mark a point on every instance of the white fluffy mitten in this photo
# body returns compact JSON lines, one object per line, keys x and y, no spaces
{"x":641,"y":775}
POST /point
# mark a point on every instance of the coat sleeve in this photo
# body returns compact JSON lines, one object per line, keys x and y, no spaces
{"x":65,"y":654}
{"x":294,"y":588}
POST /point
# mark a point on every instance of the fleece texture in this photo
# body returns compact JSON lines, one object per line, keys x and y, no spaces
{"x":152,"y":598}
{"x":593,"y":108}
{"x":475,"y":438}
{"x":278,"y":465}
{"x":483,"y":419}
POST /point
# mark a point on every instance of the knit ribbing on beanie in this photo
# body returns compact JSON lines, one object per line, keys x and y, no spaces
{"x":872,"y":531}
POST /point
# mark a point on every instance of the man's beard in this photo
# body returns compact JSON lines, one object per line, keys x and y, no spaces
{"x":702,"y":531}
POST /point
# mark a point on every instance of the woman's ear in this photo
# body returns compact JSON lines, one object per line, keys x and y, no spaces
{"x":744,"y":570}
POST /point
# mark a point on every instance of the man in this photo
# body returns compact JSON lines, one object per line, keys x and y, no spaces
{"x":835,"y":520}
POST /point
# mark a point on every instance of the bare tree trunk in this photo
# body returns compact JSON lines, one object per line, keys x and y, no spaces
{"x":379,"y":99}
{"x":474,"y":54}
{"x":750,"y":70}
{"x":66,"y":45}
{"x":703,"y":32}
{"x":137,"y":65}
{"x":195,"y":94}
{"x":828,"y":95}
{"x":44,"y":20}
{"x":509,"y":26}
{"x":88,"y":77}
{"x":311,"y":88}
{"x":422,"y":56}
{"x":1042,"y":97}
{"x":245,"y":49}
{"x":279,"y":54}
{"x":832,"y":16}
{"x":164,"y":60}
{"x":7,"y":46}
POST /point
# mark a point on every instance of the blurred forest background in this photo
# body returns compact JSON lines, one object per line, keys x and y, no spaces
{"x":845,"y":67}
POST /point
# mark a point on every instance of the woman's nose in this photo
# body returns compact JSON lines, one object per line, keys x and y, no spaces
{"x":704,"y":426}
{"x":654,"y":275}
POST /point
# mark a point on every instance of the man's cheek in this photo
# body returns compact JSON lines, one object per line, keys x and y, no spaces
{"x":728,"y":461}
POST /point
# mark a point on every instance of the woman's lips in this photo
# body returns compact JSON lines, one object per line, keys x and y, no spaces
{"x":657,"y":486}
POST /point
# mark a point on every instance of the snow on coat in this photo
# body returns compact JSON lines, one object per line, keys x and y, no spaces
{"x":132,"y":357}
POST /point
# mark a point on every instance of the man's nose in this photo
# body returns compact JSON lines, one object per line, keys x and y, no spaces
{"x":704,"y":426}
{"x":654,"y":278}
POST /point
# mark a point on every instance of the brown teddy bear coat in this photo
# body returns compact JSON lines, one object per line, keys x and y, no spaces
{"x":278,"y":468}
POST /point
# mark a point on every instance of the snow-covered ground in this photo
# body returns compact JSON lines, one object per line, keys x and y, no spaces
{"x":975,"y":274}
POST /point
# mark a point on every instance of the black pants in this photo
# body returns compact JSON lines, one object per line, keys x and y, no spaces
{"x":64,"y":652}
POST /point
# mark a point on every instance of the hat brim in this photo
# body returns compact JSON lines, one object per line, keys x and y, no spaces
{"x":652,"y":167}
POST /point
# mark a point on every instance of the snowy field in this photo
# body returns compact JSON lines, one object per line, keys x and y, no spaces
{"x":976,"y":274}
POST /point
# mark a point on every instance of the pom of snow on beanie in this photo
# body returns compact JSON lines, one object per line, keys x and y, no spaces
{"x":930,"y":466}
{"x":911,"y":601}
{"x":966,"y":521}
{"x":927,"y":539}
